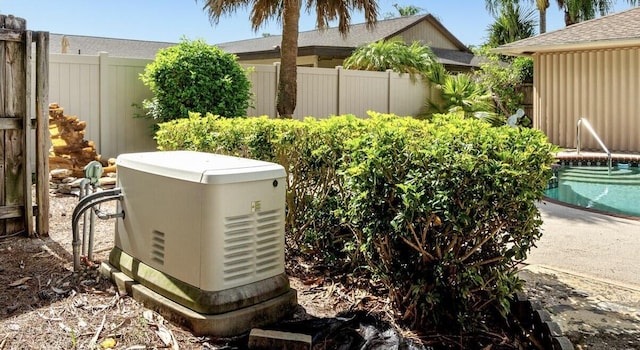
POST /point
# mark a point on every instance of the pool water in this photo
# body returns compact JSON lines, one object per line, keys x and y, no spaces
{"x":594,"y":188}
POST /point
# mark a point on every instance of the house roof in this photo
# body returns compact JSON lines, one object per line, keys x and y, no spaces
{"x":358,"y":35}
{"x":328,"y":42}
{"x":331,"y":42}
{"x":91,"y":45}
{"x":614,"y":30}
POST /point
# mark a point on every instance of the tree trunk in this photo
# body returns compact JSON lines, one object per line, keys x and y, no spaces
{"x":543,"y":21}
{"x":287,"y":88}
{"x":567,"y":19}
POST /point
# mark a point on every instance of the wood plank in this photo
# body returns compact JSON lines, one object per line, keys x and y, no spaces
{"x":42,"y":132}
{"x":11,"y":35}
{"x":27,"y":179}
{"x":12,"y":28}
{"x":3,"y":185}
{"x":11,"y":212}
{"x":15,"y":102}
{"x":10,"y":123}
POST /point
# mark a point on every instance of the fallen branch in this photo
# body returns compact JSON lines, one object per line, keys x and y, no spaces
{"x":94,"y":340}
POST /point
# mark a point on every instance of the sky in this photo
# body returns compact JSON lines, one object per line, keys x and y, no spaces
{"x":170,"y":20}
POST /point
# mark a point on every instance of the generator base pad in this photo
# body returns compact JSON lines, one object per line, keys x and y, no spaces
{"x":225,"y":324}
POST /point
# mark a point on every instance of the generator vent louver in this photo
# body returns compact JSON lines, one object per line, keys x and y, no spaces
{"x":157,"y":247}
{"x":251,"y":244}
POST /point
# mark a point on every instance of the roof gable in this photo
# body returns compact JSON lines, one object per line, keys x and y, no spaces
{"x":358,"y":35}
{"x":618,"y":29}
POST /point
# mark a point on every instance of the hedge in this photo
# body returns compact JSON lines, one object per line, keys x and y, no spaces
{"x":441,"y":212}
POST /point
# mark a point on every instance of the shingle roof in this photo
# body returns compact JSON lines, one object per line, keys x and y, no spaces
{"x":313,"y":41}
{"x":91,"y":45}
{"x":330,"y":40}
{"x":358,"y":35}
{"x":622,"y":28}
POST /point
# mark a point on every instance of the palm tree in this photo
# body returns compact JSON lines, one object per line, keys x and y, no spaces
{"x":581,"y":10}
{"x":396,"y":55}
{"x":287,"y":12}
{"x":409,"y":10}
{"x":493,"y":6}
{"x":511,"y":25}
{"x":574,"y":10}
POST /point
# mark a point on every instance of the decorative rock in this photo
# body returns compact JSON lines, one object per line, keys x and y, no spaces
{"x":70,"y":153}
{"x":105,"y":182}
{"x":69,"y":150}
{"x":60,"y":173}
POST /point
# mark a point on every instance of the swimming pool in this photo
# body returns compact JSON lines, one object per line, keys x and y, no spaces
{"x":594,"y":188}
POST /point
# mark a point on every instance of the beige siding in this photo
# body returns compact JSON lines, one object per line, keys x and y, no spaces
{"x":308,"y":61}
{"x":426,"y":33}
{"x":600,"y":85}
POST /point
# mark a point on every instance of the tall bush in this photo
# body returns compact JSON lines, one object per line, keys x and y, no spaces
{"x":195,"y":77}
{"x":444,"y":212}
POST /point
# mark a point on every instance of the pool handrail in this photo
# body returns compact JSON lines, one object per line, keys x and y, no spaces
{"x":593,"y":133}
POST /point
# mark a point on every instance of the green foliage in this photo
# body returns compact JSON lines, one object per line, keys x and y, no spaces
{"x":502,"y":78}
{"x":460,"y":93}
{"x":511,"y":24}
{"x":195,"y":77}
{"x":395,"y":55}
{"x":524,"y":67}
{"x":440,"y":212}
{"x":444,"y":212}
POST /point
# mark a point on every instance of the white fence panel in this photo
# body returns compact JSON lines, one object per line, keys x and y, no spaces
{"x":361,"y":91}
{"x":407,"y":97}
{"x":75,"y":85}
{"x":121,"y":132}
{"x":264,"y":85}
{"x":317,"y":92}
{"x":102,"y":90}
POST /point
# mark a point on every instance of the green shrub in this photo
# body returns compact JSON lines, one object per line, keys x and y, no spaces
{"x":524,"y":67}
{"x":444,"y":212}
{"x":440,"y":212}
{"x":195,"y":77}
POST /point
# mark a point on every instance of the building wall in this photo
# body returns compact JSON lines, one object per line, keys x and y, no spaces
{"x":602,"y":86}
{"x":427,"y":34}
{"x":305,"y":61}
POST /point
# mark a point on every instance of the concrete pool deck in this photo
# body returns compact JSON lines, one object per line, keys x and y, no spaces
{"x":588,"y":244}
{"x":585,"y":271}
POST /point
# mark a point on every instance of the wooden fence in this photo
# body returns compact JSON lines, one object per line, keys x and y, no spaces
{"x":17,"y":118}
{"x":104,"y":91}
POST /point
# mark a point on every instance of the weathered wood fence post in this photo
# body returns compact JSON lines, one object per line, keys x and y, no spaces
{"x":16,"y":122}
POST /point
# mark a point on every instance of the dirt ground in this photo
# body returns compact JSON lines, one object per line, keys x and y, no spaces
{"x":44,"y":306}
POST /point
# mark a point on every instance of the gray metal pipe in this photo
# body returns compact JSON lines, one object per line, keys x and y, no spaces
{"x":86,"y":203}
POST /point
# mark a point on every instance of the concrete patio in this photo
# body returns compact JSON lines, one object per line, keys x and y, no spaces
{"x":589,"y":244}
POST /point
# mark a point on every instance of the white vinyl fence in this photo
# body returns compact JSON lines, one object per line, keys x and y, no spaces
{"x":104,"y":92}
